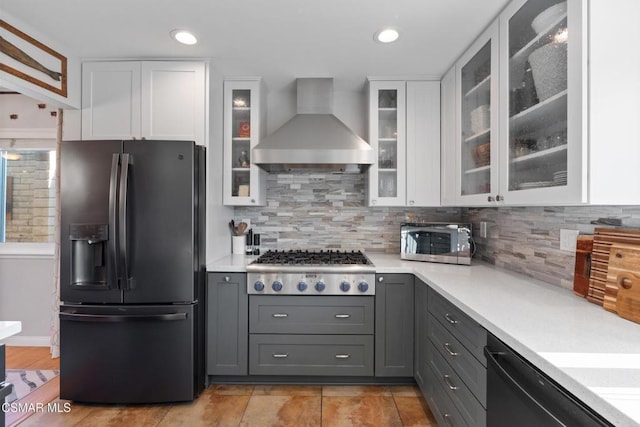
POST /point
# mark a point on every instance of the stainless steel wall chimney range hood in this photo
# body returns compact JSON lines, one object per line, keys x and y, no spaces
{"x":314,"y":138}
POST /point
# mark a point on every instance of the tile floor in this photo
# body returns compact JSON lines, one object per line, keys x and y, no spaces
{"x":248,"y":405}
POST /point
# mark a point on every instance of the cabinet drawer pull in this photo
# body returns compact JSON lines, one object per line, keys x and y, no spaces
{"x":446,"y":419}
{"x":280,"y":355}
{"x":447,"y":380}
{"x":343,"y":316}
{"x":447,"y":347}
{"x":280,"y":315}
{"x":450,"y":319}
{"x":343,"y":356}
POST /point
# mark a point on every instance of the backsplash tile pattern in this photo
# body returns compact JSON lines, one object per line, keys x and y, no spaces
{"x":319,"y":210}
{"x":527,"y":239}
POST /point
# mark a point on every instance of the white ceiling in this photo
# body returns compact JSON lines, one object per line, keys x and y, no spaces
{"x":276,"y":39}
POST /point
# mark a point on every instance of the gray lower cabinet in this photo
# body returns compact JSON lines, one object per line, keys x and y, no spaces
{"x":456,"y":371}
{"x":311,"y":335}
{"x":227,"y":322}
{"x":284,"y":354}
{"x":394,"y":325}
{"x":421,"y":334}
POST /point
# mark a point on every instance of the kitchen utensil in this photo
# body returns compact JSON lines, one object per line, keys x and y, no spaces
{"x":623,"y":270}
{"x":232,"y":228}
{"x":628,"y":301}
{"x":582,"y":271}
{"x":603,"y":239}
{"x":242,"y":227}
{"x":548,"y":16}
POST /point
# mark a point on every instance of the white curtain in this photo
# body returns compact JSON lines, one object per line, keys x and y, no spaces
{"x":55,"y":292}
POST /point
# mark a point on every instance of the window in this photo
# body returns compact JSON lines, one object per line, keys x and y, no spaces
{"x":27,"y":191}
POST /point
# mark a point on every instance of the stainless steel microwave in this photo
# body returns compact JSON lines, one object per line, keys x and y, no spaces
{"x":436,"y":242}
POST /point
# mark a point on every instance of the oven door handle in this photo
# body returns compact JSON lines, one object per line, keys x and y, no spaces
{"x":502,"y":371}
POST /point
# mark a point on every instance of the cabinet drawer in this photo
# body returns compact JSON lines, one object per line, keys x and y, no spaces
{"x":466,"y":330}
{"x":280,"y":314}
{"x":470,"y":409}
{"x":440,"y":404}
{"x":348,"y":355}
{"x":470,"y":370}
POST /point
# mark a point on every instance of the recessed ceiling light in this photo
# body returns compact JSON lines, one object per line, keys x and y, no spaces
{"x":386,"y":35}
{"x":184,"y":36}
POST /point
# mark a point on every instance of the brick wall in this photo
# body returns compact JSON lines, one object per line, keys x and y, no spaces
{"x":32,"y":216}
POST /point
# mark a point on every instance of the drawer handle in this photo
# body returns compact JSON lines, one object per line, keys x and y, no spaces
{"x":446,"y":419}
{"x":280,"y":315}
{"x":447,"y":380}
{"x":447,"y":347}
{"x":280,"y":355}
{"x":449,"y":319}
{"x":343,"y":316}
{"x":343,"y":356}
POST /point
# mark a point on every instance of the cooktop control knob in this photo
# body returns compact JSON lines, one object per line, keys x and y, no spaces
{"x":302,"y":286}
{"x":363,"y":286}
{"x":258,"y":286}
{"x":345,"y":286}
{"x":320,"y":286}
{"x":276,"y":286}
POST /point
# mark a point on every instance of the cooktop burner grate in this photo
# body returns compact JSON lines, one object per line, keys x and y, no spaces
{"x":300,"y":257}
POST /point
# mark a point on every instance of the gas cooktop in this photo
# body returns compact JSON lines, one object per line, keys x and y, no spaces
{"x":300,"y":257}
{"x":299,"y":272}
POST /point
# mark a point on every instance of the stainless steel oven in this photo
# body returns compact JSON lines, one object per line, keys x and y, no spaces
{"x":449,"y":243}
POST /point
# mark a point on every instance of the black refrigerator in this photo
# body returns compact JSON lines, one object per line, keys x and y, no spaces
{"x":132,"y":271}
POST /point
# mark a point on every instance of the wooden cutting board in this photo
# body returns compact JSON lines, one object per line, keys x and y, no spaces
{"x":603,"y":239}
{"x":622,"y":293}
{"x":582,"y":272}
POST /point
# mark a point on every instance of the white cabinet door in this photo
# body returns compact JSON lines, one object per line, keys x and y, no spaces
{"x":477,"y":121}
{"x":423,"y":143}
{"x":110,"y":100}
{"x":151,"y":100}
{"x":173,"y":100}
{"x":542,"y":77}
{"x":450,"y":181}
{"x":387,"y":136}
{"x":244,"y":116}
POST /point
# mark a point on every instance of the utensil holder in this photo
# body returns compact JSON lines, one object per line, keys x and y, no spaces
{"x":238,"y":244}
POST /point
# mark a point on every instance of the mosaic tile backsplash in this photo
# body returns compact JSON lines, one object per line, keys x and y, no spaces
{"x":315,"y":210}
{"x":527,"y":239}
{"x":318,"y":210}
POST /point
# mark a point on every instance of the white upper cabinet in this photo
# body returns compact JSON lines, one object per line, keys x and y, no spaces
{"x":151,"y":100}
{"x":477,"y":138}
{"x":404,"y":132}
{"x":541,"y":97}
{"x":244,"y":120}
{"x":563,"y":104}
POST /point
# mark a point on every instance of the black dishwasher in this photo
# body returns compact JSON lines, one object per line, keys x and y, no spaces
{"x":518,"y":394}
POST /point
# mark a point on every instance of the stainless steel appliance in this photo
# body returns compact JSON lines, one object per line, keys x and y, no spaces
{"x":436,"y":242}
{"x":311,"y":273}
{"x":518,"y":394}
{"x":132,"y":271}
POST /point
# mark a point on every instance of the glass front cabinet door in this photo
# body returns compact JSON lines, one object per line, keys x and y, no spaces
{"x":244,"y":182}
{"x":387,"y":123}
{"x":541,"y":99}
{"x":477,"y":86}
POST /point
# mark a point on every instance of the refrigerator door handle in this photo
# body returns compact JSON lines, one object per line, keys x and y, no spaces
{"x":112,"y":245}
{"x":127,"y":282}
{"x":121,"y":318}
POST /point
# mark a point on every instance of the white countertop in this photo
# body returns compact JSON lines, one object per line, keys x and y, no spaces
{"x":8,"y":329}
{"x":592,"y":353}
